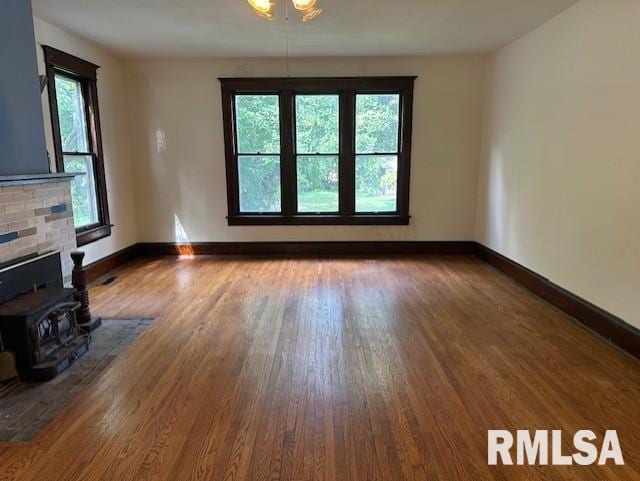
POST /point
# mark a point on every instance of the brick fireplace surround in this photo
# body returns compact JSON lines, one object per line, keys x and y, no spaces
{"x":36,"y":217}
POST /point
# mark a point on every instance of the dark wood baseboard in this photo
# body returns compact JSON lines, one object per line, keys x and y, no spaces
{"x":105,"y":265}
{"x":601,"y":322}
{"x":310,"y":248}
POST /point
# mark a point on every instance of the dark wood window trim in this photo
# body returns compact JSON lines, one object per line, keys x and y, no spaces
{"x":347,"y":88}
{"x":85,"y":72}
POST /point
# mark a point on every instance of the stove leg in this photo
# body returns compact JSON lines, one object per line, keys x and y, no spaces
{"x":85,"y":320}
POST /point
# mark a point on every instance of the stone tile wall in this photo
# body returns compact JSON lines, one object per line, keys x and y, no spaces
{"x":37,"y":218}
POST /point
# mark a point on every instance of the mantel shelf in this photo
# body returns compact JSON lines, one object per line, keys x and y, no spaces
{"x":22,"y":179}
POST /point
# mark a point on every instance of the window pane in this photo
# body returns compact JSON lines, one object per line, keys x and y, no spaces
{"x":83,"y":191}
{"x":317,"y":183}
{"x":258,"y":124}
{"x":317,"y":124}
{"x":377,"y":123}
{"x":376,"y":183}
{"x":259,"y":182}
{"x":71,"y":115}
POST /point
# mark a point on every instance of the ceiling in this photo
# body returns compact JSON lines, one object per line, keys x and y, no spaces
{"x":227,"y":28}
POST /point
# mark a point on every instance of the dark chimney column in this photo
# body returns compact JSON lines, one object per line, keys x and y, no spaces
{"x":85,"y":320}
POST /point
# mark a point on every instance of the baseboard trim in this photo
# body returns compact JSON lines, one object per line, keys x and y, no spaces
{"x":103,"y":266}
{"x":603,"y":323}
{"x":310,"y":248}
{"x":596,"y":319}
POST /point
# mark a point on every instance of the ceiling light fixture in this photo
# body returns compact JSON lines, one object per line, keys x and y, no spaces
{"x":265,"y":8}
{"x":311,"y":14}
{"x":304,"y":4}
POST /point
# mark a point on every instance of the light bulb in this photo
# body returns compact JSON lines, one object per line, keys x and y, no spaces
{"x":304,"y":4}
{"x":264,"y":8}
{"x":310,"y":14}
{"x":261,"y":6}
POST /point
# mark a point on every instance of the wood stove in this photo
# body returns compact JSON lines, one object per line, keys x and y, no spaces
{"x":38,"y":317}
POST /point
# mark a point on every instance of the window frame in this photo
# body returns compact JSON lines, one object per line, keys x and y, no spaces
{"x":346,"y":88}
{"x":70,"y":66}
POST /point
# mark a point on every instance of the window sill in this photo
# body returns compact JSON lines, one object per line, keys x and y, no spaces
{"x":84,"y":237}
{"x":373,"y":219}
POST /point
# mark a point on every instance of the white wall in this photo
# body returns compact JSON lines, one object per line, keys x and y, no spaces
{"x":560,"y":176}
{"x":115,"y":133}
{"x":186,"y":182}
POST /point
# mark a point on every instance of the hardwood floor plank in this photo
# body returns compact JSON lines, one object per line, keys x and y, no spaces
{"x":388,"y":369}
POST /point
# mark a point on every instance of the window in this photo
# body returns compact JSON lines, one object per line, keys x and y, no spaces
{"x":318,"y":151}
{"x":259,"y":153}
{"x":377,"y":151}
{"x":77,"y":141}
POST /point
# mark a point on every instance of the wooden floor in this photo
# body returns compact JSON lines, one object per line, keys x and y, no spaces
{"x":333,"y":370}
